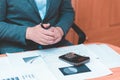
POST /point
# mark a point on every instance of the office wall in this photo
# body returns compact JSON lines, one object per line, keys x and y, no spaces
{"x":99,"y":19}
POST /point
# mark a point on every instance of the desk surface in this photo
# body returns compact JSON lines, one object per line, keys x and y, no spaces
{"x":116,"y":71}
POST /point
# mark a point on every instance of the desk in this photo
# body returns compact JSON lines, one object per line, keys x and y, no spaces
{"x":116,"y":71}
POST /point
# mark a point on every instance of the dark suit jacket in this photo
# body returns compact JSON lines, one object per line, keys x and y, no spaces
{"x":17,"y":15}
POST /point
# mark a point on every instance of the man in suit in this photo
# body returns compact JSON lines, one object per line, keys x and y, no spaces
{"x":20,"y":24}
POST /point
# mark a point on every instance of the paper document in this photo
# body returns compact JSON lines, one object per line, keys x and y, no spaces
{"x":6,"y":69}
{"x":46,"y":65}
{"x":65,"y":71}
{"x":31,"y":64}
{"x":106,"y":55}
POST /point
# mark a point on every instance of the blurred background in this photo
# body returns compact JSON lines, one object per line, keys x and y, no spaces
{"x":99,"y":19}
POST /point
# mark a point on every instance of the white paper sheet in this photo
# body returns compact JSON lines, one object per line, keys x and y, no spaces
{"x":96,"y":67}
{"x":5,"y":68}
{"x":106,"y":55}
{"x":45,"y":63}
{"x":22,"y":64}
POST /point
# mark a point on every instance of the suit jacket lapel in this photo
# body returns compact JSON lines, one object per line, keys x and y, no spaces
{"x":48,"y":7}
{"x":33,"y":4}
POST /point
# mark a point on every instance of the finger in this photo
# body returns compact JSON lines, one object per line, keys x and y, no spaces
{"x":47,"y":32}
{"x":44,"y":31}
{"x":57,"y":40}
{"x":45,"y":42}
{"x":47,"y":37}
{"x":42,"y":41}
{"x":45,"y":26}
{"x":51,"y":29}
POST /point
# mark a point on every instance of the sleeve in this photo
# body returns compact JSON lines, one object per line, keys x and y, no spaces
{"x":66,"y":16}
{"x":11,"y":32}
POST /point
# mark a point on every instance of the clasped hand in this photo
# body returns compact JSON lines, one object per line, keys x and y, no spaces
{"x":44,"y":36}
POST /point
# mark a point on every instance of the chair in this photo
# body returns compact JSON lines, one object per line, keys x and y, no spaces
{"x":80,"y":33}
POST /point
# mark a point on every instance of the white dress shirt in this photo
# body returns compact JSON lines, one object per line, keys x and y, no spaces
{"x":41,"y":4}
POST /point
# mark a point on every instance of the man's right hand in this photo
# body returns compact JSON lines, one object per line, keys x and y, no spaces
{"x":39,"y":35}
